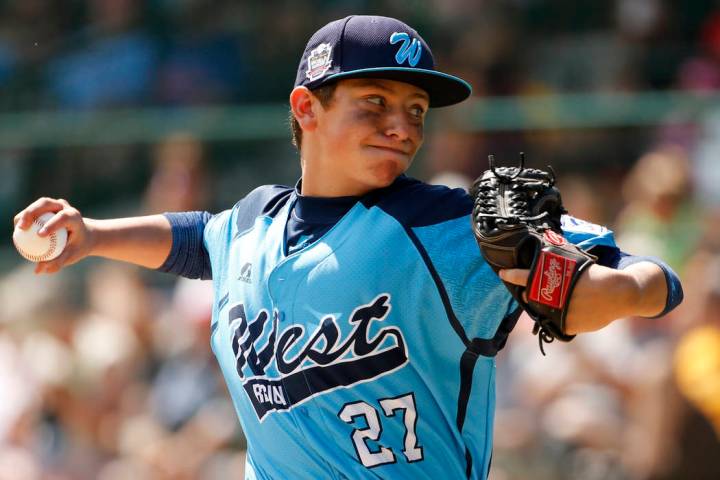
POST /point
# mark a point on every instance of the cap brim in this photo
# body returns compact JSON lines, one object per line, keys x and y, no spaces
{"x":442,"y":88}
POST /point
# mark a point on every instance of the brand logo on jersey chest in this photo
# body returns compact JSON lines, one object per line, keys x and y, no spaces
{"x":246,"y":273}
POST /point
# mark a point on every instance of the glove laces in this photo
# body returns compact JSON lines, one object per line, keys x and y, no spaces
{"x":544,"y":336}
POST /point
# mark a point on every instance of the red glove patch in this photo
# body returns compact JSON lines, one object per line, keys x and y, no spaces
{"x":552,"y":279}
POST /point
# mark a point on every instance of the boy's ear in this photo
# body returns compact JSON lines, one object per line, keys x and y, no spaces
{"x":303,"y":104}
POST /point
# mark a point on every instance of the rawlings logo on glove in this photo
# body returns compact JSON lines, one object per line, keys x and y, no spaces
{"x":516,"y":222}
{"x":553,"y":271}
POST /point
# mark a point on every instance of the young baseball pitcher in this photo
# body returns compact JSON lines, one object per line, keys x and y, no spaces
{"x":355,"y":319}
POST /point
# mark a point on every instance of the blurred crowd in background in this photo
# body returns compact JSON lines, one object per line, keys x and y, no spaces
{"x":105,"y":369}
{"x":109,"y":53}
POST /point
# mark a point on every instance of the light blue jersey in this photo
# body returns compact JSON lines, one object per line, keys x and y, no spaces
{"x":370,"y":352}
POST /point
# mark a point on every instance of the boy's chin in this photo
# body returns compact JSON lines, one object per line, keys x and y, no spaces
{"x":386,"y":172}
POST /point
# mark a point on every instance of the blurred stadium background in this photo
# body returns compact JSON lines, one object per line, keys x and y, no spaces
{"x":126,"y":107}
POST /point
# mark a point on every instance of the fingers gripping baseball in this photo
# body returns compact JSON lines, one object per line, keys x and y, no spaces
{"x":42,"y":205}
{"x":65,"y":216}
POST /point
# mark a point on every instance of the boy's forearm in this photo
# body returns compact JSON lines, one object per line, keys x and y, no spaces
{"x":144,"y":241}
{"x":604,"y":295}
{"x":651,"y":290}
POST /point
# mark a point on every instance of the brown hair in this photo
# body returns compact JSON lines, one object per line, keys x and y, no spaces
{"x":325,"y":95}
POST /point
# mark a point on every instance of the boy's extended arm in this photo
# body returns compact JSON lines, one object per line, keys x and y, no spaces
{"x":144,"y":241}
{"x":639,"y":287}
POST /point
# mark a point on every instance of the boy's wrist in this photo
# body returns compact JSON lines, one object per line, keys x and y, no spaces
{"x":92,"y":237}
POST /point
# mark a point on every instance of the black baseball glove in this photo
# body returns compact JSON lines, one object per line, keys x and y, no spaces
{"x":516,"y":222}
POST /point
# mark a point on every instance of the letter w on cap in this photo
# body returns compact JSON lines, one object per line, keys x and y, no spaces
{"x":409,"y":50}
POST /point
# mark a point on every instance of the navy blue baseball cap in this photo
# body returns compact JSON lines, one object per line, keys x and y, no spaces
{"x":362,"y":46}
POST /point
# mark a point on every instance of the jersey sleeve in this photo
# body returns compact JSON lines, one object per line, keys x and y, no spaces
{"x":586,"y":235}
{"x":188,"y":256}
{"x":200,"y":239}
{"x":217,"y":237}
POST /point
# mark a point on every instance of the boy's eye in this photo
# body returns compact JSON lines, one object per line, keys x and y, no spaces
{"x":417,"y":111}
{"x":375,"y":100}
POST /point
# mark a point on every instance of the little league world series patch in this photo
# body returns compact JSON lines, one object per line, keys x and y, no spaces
{"x":319,"y":61}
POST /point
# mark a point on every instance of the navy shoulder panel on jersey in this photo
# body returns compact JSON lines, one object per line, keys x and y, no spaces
{"x":188,"y":257}
{"x":417,"y":204}
{"x":266,"y":200}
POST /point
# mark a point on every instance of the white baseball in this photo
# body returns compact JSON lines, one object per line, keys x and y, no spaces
{"x":36,"y":248}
